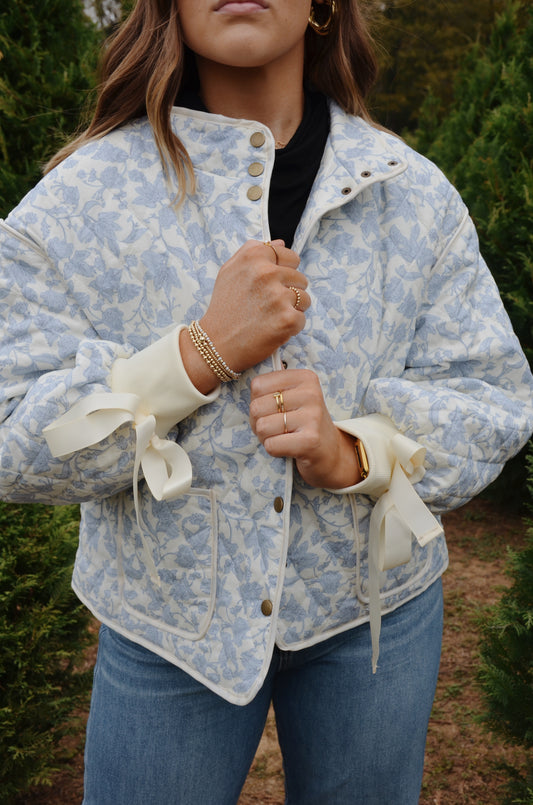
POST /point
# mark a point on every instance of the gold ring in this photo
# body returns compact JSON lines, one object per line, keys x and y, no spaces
{"x":296,"y":305}
{"x":268,"y":243}
{"x":278,"y":396}
{"x":285,"y":428}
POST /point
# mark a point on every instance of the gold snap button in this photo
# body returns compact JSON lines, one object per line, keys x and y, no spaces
{"x":267,"y":607}
{"x":257,"y":139}
{"x":254,"y":193}
{"x":278,"y":504}
{"x":256,"y":169}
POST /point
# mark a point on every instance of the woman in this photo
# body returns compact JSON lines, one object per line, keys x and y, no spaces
{"x":253,"y":335}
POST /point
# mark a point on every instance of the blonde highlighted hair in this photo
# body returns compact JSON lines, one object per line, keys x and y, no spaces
{"x":146,"y":63}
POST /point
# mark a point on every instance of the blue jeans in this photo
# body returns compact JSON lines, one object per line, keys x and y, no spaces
{"x":157,"y":737}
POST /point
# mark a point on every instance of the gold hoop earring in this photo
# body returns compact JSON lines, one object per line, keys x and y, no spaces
{"x":323,"y":28}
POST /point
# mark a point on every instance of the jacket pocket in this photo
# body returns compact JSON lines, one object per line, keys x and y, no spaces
{"x":168,"y":572}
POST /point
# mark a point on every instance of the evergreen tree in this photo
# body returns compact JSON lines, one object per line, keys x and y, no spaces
{"x":421,"y":45}
{"x":485,"y":145}
{"x":48,"y":51}
{"x":43,"y":632}
{"x":507,"y":663}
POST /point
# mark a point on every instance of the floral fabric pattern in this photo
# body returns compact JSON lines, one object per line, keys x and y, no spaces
{"x":97,"y":263}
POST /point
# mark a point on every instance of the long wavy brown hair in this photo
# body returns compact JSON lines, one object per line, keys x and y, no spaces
{"x":146,"y":63}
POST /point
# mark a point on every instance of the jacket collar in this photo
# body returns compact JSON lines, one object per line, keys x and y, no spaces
{"x":356,"y":152}
{"x":356,"y":155}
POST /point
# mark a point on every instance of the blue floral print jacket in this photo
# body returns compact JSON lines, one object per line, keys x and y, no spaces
{"x":194,"y":542}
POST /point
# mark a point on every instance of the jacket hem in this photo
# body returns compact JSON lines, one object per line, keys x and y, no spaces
{"x":345,"y":627}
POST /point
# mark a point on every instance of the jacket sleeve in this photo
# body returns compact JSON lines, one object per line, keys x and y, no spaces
{"x":465,"y":395}
{"x":62,"y":384}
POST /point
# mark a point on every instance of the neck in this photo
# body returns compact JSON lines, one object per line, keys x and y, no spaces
{"x":272,"y":95}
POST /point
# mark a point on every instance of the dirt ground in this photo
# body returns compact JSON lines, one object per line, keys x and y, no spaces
{"x":461,"y":756}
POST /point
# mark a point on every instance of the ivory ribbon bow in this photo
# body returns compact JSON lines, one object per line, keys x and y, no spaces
{"x":165,"y":465}
{"x":398,"y":514}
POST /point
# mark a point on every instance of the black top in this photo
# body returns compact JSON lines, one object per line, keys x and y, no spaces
{"x":295,"y":166}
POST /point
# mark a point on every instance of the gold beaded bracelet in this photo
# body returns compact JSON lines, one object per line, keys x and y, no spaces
{"x":208,"y":351}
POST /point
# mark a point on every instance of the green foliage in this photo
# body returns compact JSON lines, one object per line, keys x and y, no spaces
{"x":506,"y":673}
{"x":485,"y":145}
{"x":48,"y":54}
{"x":48,"y":51}
{"x":43,"y":632}
{"x":421,"y":44}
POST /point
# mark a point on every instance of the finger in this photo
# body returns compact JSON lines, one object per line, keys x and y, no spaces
{"x":283,"y":380}
{"x":278,"y":425}
{"x":276,"y":252}
{"x":287,"y":445}
{"x":276,"y":402}
{"x":292,"y":277}
{"x":285,"y":411}
{"x":300,"y":301}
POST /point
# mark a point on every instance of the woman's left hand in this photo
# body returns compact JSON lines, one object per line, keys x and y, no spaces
{"x":288,"y":414}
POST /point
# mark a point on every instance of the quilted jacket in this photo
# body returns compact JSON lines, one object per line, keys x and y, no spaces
{"x":194,"y":542}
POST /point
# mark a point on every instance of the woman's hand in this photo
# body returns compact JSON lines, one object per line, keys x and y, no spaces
{"x":252,"y":310}
{"x":289,"y":416}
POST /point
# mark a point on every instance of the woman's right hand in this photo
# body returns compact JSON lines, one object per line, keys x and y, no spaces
{"x":252,"y":310}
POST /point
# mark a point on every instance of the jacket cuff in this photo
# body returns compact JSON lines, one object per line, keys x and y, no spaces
{"x":384,"y":446}
{"x":395,"y":464}
{"x":158,"y":377}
